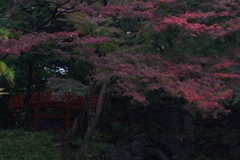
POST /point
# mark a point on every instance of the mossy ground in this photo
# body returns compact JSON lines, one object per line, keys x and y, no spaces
{"x":20,"y":145}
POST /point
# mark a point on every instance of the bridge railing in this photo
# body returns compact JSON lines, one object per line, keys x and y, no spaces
{"x":45,"y":99}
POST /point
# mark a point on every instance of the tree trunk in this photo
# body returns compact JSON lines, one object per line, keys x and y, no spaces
{"x":71,"y":133}
{"x":4,"y":105}
{"x":93,"y":117}
{"x":26,"y":102}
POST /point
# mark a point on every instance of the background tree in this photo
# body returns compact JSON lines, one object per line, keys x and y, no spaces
{"x":133,"y":47}
{"x":6,"y":79}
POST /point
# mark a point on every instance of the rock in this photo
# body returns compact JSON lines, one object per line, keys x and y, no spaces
{"x":157,"y":154}
{"x":137,"y":158}
{"x":172,"y":144}
{"x":235,"y":153}
{"x":116,"y":154}
{"x":137,"y":149}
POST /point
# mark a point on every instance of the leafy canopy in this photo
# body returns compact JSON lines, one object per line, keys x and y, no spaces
{"x":187,"y":48}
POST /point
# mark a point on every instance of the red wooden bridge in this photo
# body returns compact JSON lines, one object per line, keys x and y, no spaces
{"x":44,"y":100}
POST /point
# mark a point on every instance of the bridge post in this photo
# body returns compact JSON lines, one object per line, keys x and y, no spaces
{"x":67,"y":117}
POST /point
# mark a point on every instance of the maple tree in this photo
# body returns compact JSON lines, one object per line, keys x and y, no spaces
{"x":134,"y":47}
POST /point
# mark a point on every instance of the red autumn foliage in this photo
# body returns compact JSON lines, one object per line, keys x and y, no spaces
{"x":226,"y":75}
{"x":225,"y":64}
{"x":137,"y":74}
{"x":92,"y":40}
{"x":26,"y":42}
{"x":125,"y":11}
{"x":199,"y":80}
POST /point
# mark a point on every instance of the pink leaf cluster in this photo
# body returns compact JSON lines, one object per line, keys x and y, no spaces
{"x":195,"y":28}
{"x":86,"y":9}
{"x":26,"y":42}
{"x":149,"y":11}
{"x":92,"y":40}
{"x":126,"y":11}
{"x":166,"y":1}
{"x":225,"y":64}
{"x":226,"y":75}
{"x":138,"y":74}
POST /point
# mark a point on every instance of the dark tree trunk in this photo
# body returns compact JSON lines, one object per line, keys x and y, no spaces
{"x":4,"y":105}
{"x":70,"y":134}
{"x":66,"y":139}
{"x":93,"y":116}
{"x":105,"y":2}
{"x":26,"y":102}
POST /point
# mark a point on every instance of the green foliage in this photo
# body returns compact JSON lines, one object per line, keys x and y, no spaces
{"x":1,"y":91}
{"x":236,"y":98}
{"x":79,"y":22}
{"x":6,"y":34}
{"x":128,"y":24}
{"x":164,"y":9}
{"x":193,"y":4}
{"x":106,"y":47}
{"x":86,"y":29}
{"x":4,"y":5}
{"x":213,"y":143}
{"x":19,"y":145}
{"x":34,"y":14}
{"x":197,"y":156}
{"x":78,"y":71}
{"x":96,"y":150}
{"x":99,"y":143}
{"x":103,"y":32}
{"x":108,"y":21}
{"x":6,"y":72}
{"x":63,"y":86}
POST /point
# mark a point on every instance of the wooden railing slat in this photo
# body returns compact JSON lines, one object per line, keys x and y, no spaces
{"x":44,"y":99}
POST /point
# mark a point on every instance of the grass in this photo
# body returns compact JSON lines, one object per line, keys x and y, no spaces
{"x":20,"y":145}
{"x":96,"y":148}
